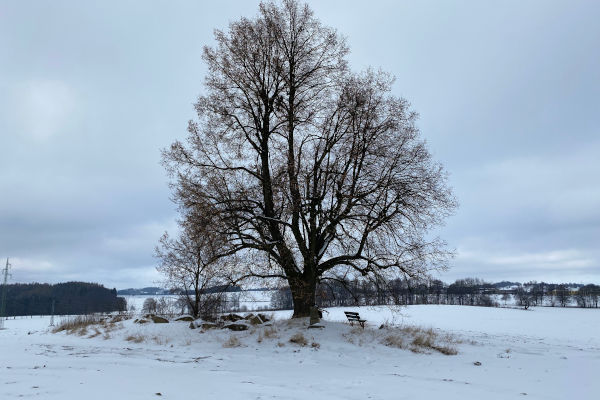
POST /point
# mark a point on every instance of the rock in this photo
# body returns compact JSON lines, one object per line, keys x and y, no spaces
{"x":232,"y":317}
{"x":141,"y":321}
{"x":118,"y":318}
{"x":256,"y":320}
{"x":209,"y":325}
{"x":159,"y":320}
{"x":197,"y":323}
{"x":264,"y":317}
{"x":237,"y":326}
{"x":248,"y":317}
{"x":314,"y":316}
{"x":477,"y":363}
{"x":184,"y":318}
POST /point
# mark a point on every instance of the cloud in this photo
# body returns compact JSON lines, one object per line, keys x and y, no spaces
{"x":562,"y":265}
{"x":44,"y":107}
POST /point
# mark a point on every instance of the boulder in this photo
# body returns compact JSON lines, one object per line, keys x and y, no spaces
{"x":186,"y":318}
{"x":232,"y":317}
{"x":264,"y":317}
{"x":159,"y":320}
{"x":141,"y":321}
{"x":256,"y":320}
{"x":208,"y":325}
{"x":237,"y":326}
{"x":248,"y":317}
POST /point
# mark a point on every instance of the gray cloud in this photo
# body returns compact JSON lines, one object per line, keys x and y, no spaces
{"x":508,"y":96}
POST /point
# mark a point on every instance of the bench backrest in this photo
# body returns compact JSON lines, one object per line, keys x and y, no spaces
{"x":352,"y":315}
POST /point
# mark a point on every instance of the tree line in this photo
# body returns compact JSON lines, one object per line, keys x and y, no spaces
{"x":469,"y":291}
{"x":69,"y":298}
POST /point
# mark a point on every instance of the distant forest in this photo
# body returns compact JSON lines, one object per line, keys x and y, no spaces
{"x":69,"y":298}
{"x":469,"y":291}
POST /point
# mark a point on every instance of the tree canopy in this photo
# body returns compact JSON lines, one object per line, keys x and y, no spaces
{"x":309,"y":171}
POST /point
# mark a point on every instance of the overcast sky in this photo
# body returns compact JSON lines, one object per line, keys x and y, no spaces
{"x":508,"y":93}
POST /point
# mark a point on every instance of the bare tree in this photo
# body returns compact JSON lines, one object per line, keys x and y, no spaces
{"x":524,"y":297}
{"x":149,"y":305}
{"x":563,"y":295}
{"x":191,"y":262}
{"x":313,"y":172}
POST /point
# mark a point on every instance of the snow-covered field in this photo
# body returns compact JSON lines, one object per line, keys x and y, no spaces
{"x":544,"y":353}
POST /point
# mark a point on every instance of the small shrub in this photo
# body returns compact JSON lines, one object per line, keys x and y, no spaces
{"x":299,"y":339}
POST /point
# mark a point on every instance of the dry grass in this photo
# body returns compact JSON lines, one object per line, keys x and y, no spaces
{"x":299,"y":339}
{"x":420,"y":340}
{"x":161,"y":340}
{"x":233,"y":341}
{"x":78,"y":324}
{"x":97,"y":332}
{"x":269,"y":332}
{"x":92,"y":325}
{"x":135,"y":338}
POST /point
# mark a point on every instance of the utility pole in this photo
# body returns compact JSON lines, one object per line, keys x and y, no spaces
{"x":4,"y":289}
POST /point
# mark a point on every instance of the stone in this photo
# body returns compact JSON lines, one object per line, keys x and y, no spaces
{"x":256,"y":320}
{"x":248,"y":317}
{"x":141,"y":321}
{"x":208,"y":325}
{"x":159,"y":320}
{"x":264,"y":317}
{"x":236,"y":326}
{"x":314,"y":316}
{"x":232,"y":317}
{"x":185,"y":318}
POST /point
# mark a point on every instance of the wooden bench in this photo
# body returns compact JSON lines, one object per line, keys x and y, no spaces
{"x":354,"y":317}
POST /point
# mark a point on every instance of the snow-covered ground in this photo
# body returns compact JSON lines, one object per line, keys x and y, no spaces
{"x":544,"y":353}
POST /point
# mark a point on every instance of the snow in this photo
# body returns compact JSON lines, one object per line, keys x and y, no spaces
{"x":541,"y":353}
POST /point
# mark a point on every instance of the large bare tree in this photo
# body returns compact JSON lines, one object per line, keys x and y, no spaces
{"x":313,"y":172}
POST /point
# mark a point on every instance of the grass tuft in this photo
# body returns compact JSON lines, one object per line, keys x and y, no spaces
{"x":299,"y":339}
{"x":233,"y":341}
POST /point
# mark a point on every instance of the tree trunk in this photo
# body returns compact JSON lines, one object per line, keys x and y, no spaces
{"x":303,"y":294}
